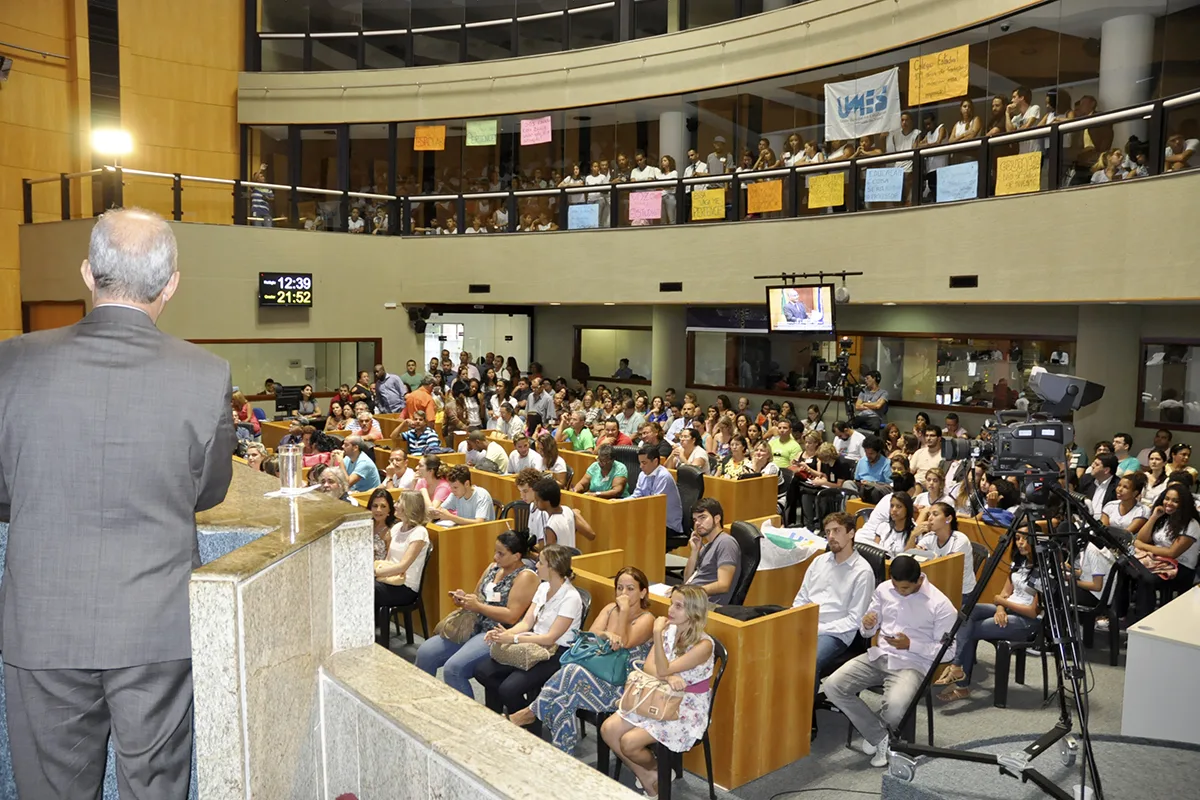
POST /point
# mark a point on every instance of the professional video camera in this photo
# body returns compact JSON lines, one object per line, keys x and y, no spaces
{"x":1032,"y":447}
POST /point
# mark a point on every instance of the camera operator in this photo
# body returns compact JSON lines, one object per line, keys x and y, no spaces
{"x":872,"y":404}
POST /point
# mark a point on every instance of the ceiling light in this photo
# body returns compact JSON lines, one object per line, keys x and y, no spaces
{"x":889,"y":304}
{"x":610,"y":304}
{"x":556,"y":304}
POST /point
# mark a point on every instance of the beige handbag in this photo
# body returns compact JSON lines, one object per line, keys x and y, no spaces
{"x":650,"y":697}
{"x":522,"y":655}
{"x":390,"y":580}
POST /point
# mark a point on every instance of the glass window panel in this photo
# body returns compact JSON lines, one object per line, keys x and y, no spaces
{"x":434,"y":172}
{"x":334,"y":53}
{"x":1183,"y":138}
{"x":282,"y":55}
{"x":650,"y":18}
{"x":489,"y":42}
{"x":482,"y":10}
{"x":539,"y":36}
{"x":1178,"y":33}
{"x":283,"y":16}
{"x":269,"y":153}
{"x":1171,"y":386}
{"x":710,"y":12}
{"x":602,"y":349}
{"x":527,"y":7}
{"x":334,"y":15}
{"x":430,"y":14}
{"x":369,"y":173}
{"x":319,"y":170}
{"x":323,"y":364}
{"x":385,"y":52}
{"x":385,"y":15}
{"x":436,"y":47}
{"x":593,"y":28}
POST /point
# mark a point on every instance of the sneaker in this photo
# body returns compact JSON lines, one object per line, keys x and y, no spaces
{"x":1102,"y":624}
{"x":880,"y":759}
{"x":867,"y":747}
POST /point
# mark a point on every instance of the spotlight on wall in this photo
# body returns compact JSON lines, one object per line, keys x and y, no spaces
{"x":6,"y":65}
{"x":112,"y":142}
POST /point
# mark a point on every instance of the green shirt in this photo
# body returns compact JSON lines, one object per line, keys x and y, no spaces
{"x":782,"y":453}
{"x":413,"y":382}
{"x":601,"y":483}
{"x":580,"y":441}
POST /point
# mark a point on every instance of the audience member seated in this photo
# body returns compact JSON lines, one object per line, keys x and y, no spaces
{"x":311,"y":456}
{"x":501,"y":598}
{"x":510,"y":426}
{"x":552,"y":622}
{"x":575,"y":431}
{"x":360,"y":469}
{"x":243,"y":415}
{"x":847,"y":441}
{"x":486,"y":454}
{"x":523,"y":456}
{"x":561,"y":524}
{"x":398,"y":573}
{"x":332,"y":481}
{"x":681,"y":654}
{"x":467,"y":503}
{"x":605,"y":477}
{"x":1099,"y":484}
{"x":652,"y":436}
{"x":873,"y":472}
{"x":952,"y":429}
{"x":935,"y":492}
{"x":1001,"y":496}
{"x":383,"y":517}
{"x":1162,"y":441}
{"x":831,"y":472}
{"x":1180,"y":456}
{"x":911,"y":616}
{"x":840,"y":581}
{"x":891,"y":532}
{"x":1126,"y":461}
{"x":398,"y":474}
{"x":688,"y":451}
{"x":1156,"y":477}
{"x":420,"y":438}
{"x":1127,"y":511}
{"x":739,"y":463}
{"x":432,"y":482}
{"x":927,"y":457}
{"x":784,"y":447}
{"x":715,"y":561}
{"x":552,"y":462}
{"x":627,"y":625}
{"x":684,"y":420}
{"x":939,"y":535}
{"x":1171,"y":532}
{"x":256,"y":454}
{"x":365,"y":425}
{"x":871,"y":405}
{"x":1012,"y":616}
{"x":333,"y":422}
{"x":1091,"y":574}
{"x":630,"y":420}
{"x":656,"y":480}
{"x":613,"y":435}
{"x":762,"y":462}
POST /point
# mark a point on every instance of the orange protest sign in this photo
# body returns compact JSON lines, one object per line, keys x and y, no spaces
{"x":430,"y":137}
{"x":764,"y":196}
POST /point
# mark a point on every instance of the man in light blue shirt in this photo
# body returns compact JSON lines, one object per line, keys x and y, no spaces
{"x":541,"y":401}
{"x":657,"y":480}
{"x":389,"y":391}
{"x":873,"y":467}
{"x":360,"y":469}
{"x":467,"y":503}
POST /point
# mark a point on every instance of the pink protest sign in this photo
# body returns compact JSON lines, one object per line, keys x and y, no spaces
{"x":535,"y":131}
{"x":645,"y":205}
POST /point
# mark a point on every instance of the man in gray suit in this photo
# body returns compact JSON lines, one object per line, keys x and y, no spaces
{"x":94,"y":626}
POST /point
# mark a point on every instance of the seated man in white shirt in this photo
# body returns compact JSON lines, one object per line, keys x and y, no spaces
{"x":928,"y":457}
{"x":847,"y":441}
{"x":558,"y":524}
{"x":523,"y":456}
{"x":467,"y":503}
{"x":911,"y":616}
{"x":486,"y":454}
{"x":840,"y":581}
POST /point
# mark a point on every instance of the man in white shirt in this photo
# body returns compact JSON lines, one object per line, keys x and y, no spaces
{"x":541,"y":400}
{"x":911,"y":616}
{"x":953,"y":429}
{"x":903,"y":139}
{"x":1021,"y":114}
{"x":523,"y":456}
{"x":928,"y":457}
{"x":486,"y":454}
{"x":840,"y":581}
{"x":677,"y":425}
{"x":1179,"y":152}
{"x":1101,"y":489}
{"x":466,"y":504}
{"x":464,"y":360}
{"x":1162,"y":441}
{"x":694,"y":167}
{"x":847,"y":441}
{"x":643,"y":171}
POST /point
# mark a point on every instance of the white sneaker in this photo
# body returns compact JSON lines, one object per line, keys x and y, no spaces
{"x":880,"y":759}
{"x":866,"y":747}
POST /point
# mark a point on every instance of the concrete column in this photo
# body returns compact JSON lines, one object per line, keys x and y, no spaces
{"x":672,"y":16}
{"x":672,"y":137}
{"x":1126,"y":56}
{"x":1107,"y":349}
{"x":668,"y":349}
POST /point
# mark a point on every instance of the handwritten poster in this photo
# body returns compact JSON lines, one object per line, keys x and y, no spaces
{"x":708,"y":204}
{"x":826,"y":191}
{"x":536,"y":131}
{"x":958,"y":182}
{"x":645,"y":205}
{"x":939,"y":76}
{"x":481,"y":132}
{"x":764,"y":196}
{"x":430,"y":137}
{"x":884,"y":185}
{"x":1019,"y":174}
{"x":583,"y":215}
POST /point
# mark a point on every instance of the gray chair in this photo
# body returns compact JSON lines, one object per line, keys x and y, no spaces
{"x":749,"y":540}
{"x":627,"y":455}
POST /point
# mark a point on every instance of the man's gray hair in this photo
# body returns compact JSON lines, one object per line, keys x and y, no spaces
{"x":357,"y":441}
{"x":428,"y":381}
{"x":132,"y":254}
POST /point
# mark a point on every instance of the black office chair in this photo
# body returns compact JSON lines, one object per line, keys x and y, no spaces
{"x":749,"y":540}
{"x":418,"y":605}
{"x":497,"y":508}
{"x":691,"y":488}
{"x":861,"y":516}
{"x":1005,"y":650}
{"x":670,"y":763}
{"x":1105,"y":606}
{"x":518,"y":512}
{"x":627,"y":455}
{"x":877,"y":557}
{"x":785,"y":482}
{"x":570,"y":477}
{"x":979,"y":555}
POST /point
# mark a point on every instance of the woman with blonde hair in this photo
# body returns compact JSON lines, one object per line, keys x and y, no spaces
{"x":398,"y":573}
{"x":681,"y":654}
{"x":243,"y":414}
{"x":256,"y":454}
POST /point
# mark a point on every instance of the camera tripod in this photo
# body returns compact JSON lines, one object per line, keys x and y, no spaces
{"x":841,"y":388}
{"x":1052,"y":549}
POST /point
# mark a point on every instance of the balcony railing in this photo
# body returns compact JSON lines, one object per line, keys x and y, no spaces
{"x":1068,"y":156}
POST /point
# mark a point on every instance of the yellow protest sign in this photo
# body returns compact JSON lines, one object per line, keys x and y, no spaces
{"x":939,"y":76}
{"x":708,"y":204}
{"x":430,"y":137}
{"x":1019,"y":174}
{"x":826,"y":191}
{"x":764,"y":196}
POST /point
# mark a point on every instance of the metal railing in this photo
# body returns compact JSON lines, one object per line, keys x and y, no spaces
{"x":1065,"y":162}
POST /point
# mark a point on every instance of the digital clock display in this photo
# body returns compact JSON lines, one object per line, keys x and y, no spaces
{"x":285,"y":289}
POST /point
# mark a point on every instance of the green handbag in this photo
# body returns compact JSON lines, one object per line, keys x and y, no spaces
{"x":595,"y":654}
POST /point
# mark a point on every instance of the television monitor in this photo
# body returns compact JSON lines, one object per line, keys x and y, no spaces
{"x":287,"y":399}
{"x":285,"y":289}
{"x":801,"y":309}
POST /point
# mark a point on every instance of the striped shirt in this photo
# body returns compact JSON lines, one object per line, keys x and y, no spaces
{"x":418,"y":443}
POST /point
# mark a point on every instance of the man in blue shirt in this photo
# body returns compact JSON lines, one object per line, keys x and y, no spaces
{"x":360,"y":469}
{"x":657,"y":480}
{"x":389,"y":391}
{"x":873,"y":467}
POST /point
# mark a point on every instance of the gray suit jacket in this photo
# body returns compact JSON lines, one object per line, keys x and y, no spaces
{"x":102,"y":536}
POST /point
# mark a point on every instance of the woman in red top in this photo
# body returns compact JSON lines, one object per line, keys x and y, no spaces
{"x":312,"y":456}
{"x":245,"y":414}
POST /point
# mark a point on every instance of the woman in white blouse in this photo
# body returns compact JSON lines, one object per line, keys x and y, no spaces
{"x":940,"y":535}
{"x":1172,"y":531}
{"x":398,"y":575}
{"x":1127,"y":512}
{"x":689,"y":452}
{"x":1156,"y":477}
{"x":547,"y":448}
{"x":668,"y":172}
{"x":935,"y":485}
{"x":553,"y":619}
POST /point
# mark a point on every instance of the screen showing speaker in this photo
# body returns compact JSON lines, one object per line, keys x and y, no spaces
{"x":801,"y":309}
